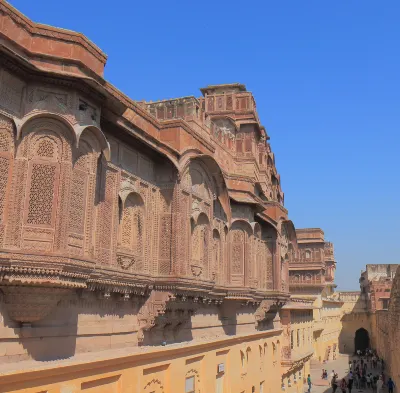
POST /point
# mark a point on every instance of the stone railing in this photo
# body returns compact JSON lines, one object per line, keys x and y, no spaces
{"x":305,"y":280}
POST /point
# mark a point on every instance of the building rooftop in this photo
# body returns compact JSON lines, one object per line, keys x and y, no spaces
{"x":223,"y":88}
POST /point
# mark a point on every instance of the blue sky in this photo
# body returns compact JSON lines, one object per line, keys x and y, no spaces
{"x":325,"y":75}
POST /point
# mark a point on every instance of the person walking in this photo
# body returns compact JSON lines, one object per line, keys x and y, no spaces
{"x":343,"y":385}
{"x":374,"y":381}
{"x":390,"y":385}
{"x":368,"y":381}
{"x":309,"y":383}
{"x":356,"y":381}
{"x":350,"y":383}
{"x":379,"y":385}
{"x":363,"y":381}
{"x":334,"y":383}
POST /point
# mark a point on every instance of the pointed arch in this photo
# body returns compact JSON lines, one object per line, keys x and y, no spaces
{"x":99,"y":140}
{"x":240,"y":249}
{"x":131,"y":232}
{"x":200,"y":246}
{"x":25,"y":123}
{"x":214,"y":177}
{"x":217,"y":266}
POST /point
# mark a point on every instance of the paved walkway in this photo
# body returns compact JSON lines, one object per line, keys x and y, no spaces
{"x":341,"y":367}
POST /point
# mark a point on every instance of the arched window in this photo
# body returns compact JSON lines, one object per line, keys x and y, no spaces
{"x":292,"y":339}
{"x":308,"y":254}
{"x":41,"y":192}
{"x":131,"y":231}
{"x":43,"y":176}
{"x":200,"y":246}
{"x":242,"y":359}
{"x":81,"y":195}
{"x":217,"y":265}
{"x":248,"y":355}
{"x":238,"y":237}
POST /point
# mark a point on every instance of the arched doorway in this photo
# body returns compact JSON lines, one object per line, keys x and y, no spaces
{"x":361,"y":340}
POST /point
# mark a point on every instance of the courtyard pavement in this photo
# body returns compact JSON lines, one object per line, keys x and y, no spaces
{"x":341,"y":367}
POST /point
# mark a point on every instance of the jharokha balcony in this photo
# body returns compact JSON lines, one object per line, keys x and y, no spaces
{"x":306,"y":280}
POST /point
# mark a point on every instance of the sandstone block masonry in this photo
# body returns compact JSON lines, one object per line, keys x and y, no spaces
{"x":128,"y":223}
{"x":144,"y":246}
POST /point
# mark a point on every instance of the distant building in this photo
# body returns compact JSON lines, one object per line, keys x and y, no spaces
{"x":376,"y":281}
{"x":311,"y":276}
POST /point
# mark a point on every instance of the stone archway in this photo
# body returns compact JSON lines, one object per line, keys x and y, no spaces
{"x":361,"y":340}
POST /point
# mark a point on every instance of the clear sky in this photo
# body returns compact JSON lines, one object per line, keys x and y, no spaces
{"x":326,"y":78}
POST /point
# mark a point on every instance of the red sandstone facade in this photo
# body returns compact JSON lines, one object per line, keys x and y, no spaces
{"x":312,"y":269}
{"x":152,"y":214}
{"x":376,"y":281}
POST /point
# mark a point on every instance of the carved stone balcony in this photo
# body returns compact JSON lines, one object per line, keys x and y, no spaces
{"x":306,"y":281}
{"x":295,"y":358}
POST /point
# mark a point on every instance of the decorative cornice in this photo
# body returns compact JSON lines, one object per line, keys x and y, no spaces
{"x":52,"y":32}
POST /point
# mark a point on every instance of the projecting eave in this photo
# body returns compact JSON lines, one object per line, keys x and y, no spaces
{"x":210,"y":88}
{"x":246,"y":198}
{"x":307,"y":241}
{"x":332,"y":301}
{"x":294,"y":306}
{"x":301,"y":266}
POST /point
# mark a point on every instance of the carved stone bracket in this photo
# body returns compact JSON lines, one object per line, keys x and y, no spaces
{"x":268,"y":311}
{"x":293,"y":364}
{"x":151,"y":309}
{"x":165,"y":312}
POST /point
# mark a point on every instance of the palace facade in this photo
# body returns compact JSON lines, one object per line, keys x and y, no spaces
{"x":144,"y":246}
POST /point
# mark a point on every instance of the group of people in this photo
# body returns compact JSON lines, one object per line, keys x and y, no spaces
{"x":360,"y":374}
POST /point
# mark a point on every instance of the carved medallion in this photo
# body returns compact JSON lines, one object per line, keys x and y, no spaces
{"x":196,"y":270}
{"x":126,"y":261}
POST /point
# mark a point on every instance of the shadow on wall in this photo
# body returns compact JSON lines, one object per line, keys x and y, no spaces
{"x":56,"y":336}
{"x":356,"y":325}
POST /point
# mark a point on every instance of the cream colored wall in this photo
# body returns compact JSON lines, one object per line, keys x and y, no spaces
{"x":305,"y":330}
{"x":301,"y":349}
{"x":354,"y":316}
{"x":328,"y":339}
{"x":247,"y":361}
{"x":301,"y":379}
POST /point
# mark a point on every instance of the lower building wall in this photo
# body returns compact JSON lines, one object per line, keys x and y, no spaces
{"x":350,"y":324}
{"x":235,"y":364}
{"x":387,"y":337}
{"x":298,"y":384}
{"x":328,"y":348}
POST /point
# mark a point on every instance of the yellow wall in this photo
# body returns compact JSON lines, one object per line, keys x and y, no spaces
{"x":247,"y":361}
{"x":301,"y":334}
{"x":327,"y":329}
{"x":301,"y":379}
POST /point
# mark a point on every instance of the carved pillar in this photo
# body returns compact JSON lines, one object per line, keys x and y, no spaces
{"x":276,"y":263}
{"x":165,"y":225}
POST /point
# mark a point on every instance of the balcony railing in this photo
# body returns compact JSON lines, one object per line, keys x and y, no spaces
{"x":305,"y":280}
